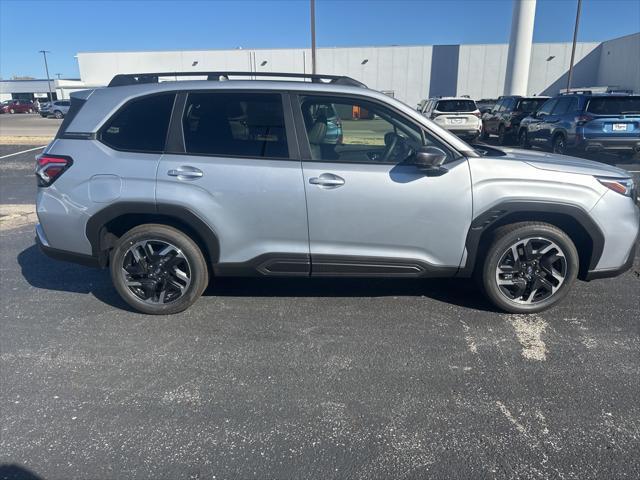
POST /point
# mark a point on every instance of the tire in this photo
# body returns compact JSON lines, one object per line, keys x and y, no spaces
{"x":143,"y":282}
{"x":12,"y":111}
{"x":527,"y":291}
{"x":559,"y":144}
{"x":43,"y":115}
{"x":523,"y":139}
{"x":58,"y":114}
{"x":502,"y":136}
{"x":484,"y":135}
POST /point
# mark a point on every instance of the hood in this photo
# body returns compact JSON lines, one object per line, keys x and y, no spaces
{"x":564,"y":163}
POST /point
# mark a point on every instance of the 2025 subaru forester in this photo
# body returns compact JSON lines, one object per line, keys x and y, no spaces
{"x":170,"y":183}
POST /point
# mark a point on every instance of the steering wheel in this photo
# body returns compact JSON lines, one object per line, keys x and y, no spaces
{"x":390,"y":142}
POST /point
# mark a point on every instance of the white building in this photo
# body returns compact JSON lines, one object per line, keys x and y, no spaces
{"x":409,"y":73}
{"x":32,"y":89}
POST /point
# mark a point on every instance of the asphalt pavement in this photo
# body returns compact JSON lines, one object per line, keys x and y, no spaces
{"x":291,"y":378}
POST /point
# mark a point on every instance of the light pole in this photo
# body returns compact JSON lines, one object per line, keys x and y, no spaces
{"x":46,"y":67}
{"x":313,"y":36}
{"x":573,"y":47}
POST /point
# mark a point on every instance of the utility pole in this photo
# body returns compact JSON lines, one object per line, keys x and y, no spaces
{"x":46,"y":67}
{"x":313,"y":36}
{"x":573,"y":47}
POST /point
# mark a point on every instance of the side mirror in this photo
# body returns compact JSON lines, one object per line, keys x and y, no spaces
{"x":539,"y":115}
{"x":429,"y":158}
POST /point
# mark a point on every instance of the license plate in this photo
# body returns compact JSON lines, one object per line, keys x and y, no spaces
{"x":619,"y":127}
{"x":455,"y":121}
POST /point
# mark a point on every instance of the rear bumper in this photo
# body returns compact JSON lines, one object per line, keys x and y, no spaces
{"x":470,"y":133}
{"x":598,"y":144}
{"x":63,"y":255}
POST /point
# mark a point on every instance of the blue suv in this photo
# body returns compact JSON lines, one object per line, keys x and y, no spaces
{"x":585,"y":122}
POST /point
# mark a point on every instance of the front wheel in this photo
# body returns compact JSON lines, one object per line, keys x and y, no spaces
{"x":523,"y":139}
{"x":529,"y":267}
{"x":58,"y":114}
{"x":559,"y":144}
{"x":158,"y":269}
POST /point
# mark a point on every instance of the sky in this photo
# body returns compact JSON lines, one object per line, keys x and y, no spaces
{"x":69,"y":26}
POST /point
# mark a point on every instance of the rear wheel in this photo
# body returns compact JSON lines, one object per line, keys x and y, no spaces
{"x":12,"y":111}
{"x":58,"y":114}
{"x":158,"y":270}
{"x":502,"y":135}
{"x":559,"y":144}
{"x":529,"y":267}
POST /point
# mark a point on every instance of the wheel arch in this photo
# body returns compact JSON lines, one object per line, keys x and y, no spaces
{"x":106,"y":226}
{"x":573,"y":220}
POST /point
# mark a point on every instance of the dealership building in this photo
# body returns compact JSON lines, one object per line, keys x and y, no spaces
{"x":409,"y":73}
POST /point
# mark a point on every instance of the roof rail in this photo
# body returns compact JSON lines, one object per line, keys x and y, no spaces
{"x":577,"y":92}
{"x":138,"y":78}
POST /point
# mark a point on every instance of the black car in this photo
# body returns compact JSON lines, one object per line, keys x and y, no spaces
{"x":504,"y":118}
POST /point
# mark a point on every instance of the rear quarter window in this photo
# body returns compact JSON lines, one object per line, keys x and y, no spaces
{"x":141,"y":125}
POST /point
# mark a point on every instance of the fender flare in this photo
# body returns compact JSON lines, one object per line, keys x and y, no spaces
{"x":181,"y":215}
{"x":501,"y":213}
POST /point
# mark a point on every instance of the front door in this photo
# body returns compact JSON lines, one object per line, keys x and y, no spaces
{"x":370,"y":212}
{"x":238,"y":170}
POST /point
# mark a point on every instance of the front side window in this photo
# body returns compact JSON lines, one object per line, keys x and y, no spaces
{"x":235,"y":124}
{"x":548,"y":106}
{"x":141,"y":126}
{"x":358,"y":131}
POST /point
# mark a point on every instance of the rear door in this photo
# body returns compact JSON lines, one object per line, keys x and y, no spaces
{"x":234,"y":162}
{"x":490,"y":120}
{"x":372,"y":213}
{"x":539,"y":127}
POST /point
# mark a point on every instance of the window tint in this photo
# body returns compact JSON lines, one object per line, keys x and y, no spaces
{"x":456,"y":106}
{"x":564,"y":105}
{"x":508,"y":104}
{"x":547,"y":108}
{"x":499,"y":107}
{"x":613,"y":105}
{"x":141,"y":126}
{"x":530,"y":104}
{"x":238,"y":124}
{"x":356,"y":131}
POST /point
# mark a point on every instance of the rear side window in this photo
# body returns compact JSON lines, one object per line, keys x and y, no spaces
{"x":565,"y":105}
{"x":614,"y":105}
{"x":235,"y":124}
{"x":141,"y":126}
{"x":75,"y":106}
{"x":456,"y":106}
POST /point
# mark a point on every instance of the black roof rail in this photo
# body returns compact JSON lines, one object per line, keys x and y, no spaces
{"x":153,"y":77}
{"x":577,"y":92}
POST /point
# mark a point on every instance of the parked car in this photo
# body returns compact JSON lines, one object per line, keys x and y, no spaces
{"x":459,"y":115}
{"x":504,"y":118}
{"x":57,"y":108}
{"x":486,"y":104}
{"x":17,"y":106}
{"x":153,"y":181}
{"x":585,"y":122}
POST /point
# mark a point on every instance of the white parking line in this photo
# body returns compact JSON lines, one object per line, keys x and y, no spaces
{"x":23,"y":151}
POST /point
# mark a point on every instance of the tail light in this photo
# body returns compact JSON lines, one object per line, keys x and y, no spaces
{"x":478,"y":114}
{"x":582,"y":119}
{"x":50,"y":167}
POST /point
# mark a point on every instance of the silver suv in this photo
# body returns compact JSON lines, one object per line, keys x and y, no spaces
{"x":171,"y":183}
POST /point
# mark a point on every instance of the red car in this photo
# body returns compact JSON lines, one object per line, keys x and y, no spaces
{"x":17,"y":106}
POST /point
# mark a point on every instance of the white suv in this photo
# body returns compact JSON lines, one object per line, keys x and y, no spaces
{"x":460,"y":115}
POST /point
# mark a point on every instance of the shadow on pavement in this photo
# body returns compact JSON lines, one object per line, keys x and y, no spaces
{"x":45,"y":273}
{"x":16,"y":472}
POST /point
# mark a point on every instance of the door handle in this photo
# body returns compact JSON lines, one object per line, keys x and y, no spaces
{"x":186,"y":172}
{"x":327,"y":180}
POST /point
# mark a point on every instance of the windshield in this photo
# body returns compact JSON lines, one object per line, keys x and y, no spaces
{"x":530,"y":104}
{"x":456,"y":106}
{"x":614,"y":105}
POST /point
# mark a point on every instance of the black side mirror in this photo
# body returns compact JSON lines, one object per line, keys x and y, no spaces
{"x":428,"y":158}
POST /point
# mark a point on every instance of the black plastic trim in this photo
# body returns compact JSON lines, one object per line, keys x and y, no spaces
{"x":95,"y":226}
{"x":268,"y":264}
{"x":356,"y":266}
{"x":65,"y":256}
{"x":614,"y":272}
{"x":499,"y":212}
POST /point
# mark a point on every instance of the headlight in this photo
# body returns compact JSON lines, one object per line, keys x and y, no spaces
{"x":623,"y":186}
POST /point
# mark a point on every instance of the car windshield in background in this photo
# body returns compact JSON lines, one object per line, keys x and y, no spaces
{"x":530,"y":104}
{"x":614,"y":105}
{"x":456,"y":106}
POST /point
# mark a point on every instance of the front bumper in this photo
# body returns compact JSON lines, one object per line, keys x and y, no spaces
{"x":614,"y":272}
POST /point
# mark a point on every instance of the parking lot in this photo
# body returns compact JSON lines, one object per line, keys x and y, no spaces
{"x":315,"y":378}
